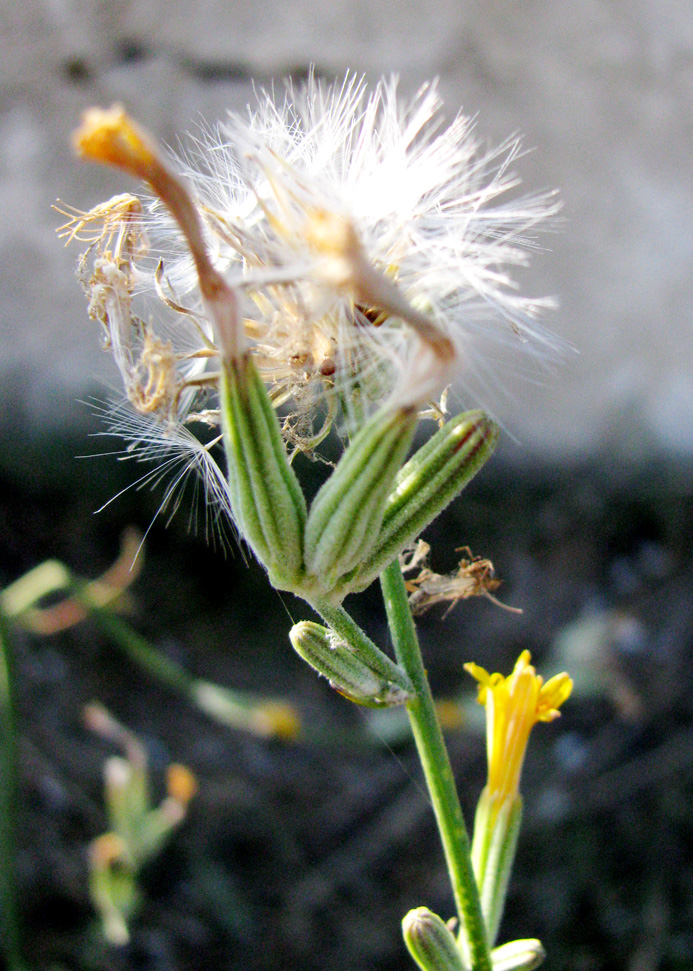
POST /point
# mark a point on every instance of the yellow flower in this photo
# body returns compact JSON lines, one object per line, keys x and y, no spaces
{"x":513,"y":706}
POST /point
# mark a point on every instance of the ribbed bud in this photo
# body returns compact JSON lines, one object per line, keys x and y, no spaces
{"x":346,"y":515}
{"x":346,"y":671}
{"x":113,"y":886}
{"x":265,"y":495}
{"x":126,"y":794}
{"x":429,"y":481}
{"x":496,"y":829}
{"x":430,"y":942}
{"x":523,"y":955}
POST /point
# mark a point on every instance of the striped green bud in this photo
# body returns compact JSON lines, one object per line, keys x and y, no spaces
{"x":496,"y":830}
{"x":126,"y":790}
{"x":347,"y":513}
{"x":525,"y":955}
{"x":346,"y":670}
{"x":265,"y":494}
{"x":429,"y":481}
{"x":430,"y":941}
{"x":113,"y":886}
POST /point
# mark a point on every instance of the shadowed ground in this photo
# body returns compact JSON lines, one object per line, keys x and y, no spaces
{"x":306,"y":856}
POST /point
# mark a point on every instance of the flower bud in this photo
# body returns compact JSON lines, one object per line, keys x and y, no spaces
{"x":113,"y":886}
{"x":126,"y":794}
{"x":428,"y":482}
{"x":347,"y":672}
{"x":265,"y":495}
{"x":525,"y":955}
{"x":496,"y":830}
{"x":430,"y":942}
{"x":346,"y":515}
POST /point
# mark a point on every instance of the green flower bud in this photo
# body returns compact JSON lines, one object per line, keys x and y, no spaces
{"x":347,"y":513}
{"x":429,"y":481}
{"x":345,"y":669}
{"x":265,"y":494}
{"x":113,"y":887}
{"x":126,"y":790}
{"x":496,"y":830}
{"x":523,"y":955}
{"x":430,"y":942}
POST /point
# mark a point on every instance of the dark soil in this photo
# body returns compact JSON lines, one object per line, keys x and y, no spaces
{"x":306,"y":856}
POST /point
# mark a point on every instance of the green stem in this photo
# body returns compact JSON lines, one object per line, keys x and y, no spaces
{"x":263,"y":716}
{"x":436,"y":766}
{"x":8,"y":807}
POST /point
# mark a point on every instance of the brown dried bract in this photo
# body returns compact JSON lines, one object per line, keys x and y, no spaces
{"x":112,"y":226}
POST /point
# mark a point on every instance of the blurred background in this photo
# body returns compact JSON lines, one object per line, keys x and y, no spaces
{"x":306,"y":855}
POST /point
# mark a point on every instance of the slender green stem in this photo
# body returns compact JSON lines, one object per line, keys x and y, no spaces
{"x":263,"y":716}
{"x":436,"y":766}
{"x":8,"y":807}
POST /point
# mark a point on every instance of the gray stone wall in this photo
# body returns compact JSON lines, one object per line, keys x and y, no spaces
{"x":603,"y":91}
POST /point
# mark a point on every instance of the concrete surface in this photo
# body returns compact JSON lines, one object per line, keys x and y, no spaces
{"x":602,"y":91}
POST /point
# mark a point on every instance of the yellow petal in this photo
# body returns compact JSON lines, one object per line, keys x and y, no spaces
{"x":476,"y":671}
{"x":552,"y":695}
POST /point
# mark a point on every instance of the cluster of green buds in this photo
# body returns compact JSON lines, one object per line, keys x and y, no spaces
{"x":138,"y":829}
{"x":370,"y":508}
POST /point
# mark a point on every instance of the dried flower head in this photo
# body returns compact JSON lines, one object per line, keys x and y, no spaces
{"x":373,"y":237}
{"x":370,"y":248}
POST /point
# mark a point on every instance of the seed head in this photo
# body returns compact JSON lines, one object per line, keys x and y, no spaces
{"x":362,"y":251}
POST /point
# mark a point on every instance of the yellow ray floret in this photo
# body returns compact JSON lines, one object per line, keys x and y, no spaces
{"x":513,"y":706}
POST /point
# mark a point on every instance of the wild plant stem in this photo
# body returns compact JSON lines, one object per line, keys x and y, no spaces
{"x":234,"y":709}
{"x":436,"y":767}
{"x":8,"y":806}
